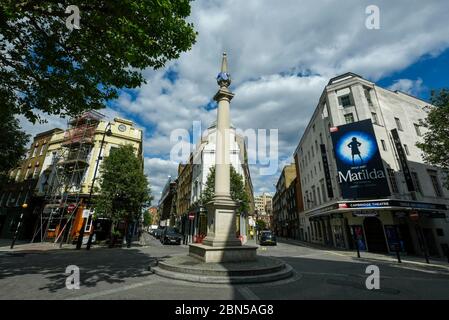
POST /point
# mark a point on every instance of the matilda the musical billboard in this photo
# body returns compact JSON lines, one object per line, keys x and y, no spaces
{"x":361,"y":174}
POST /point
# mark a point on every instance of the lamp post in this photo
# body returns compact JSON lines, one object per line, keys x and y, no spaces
{"x":108,"y":132}
{"x":24,"y":206}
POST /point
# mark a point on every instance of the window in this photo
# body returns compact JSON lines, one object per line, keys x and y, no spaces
{"x":349,"y":118}
{"x":416,"y":182}
{"x":374,"y":117}
{"x":368,"y":96}
{"x":35,"y":153}
{"x":18,"y":174}
{"x":398,"y":124}
{"x":36,"y":172}
{"x":417,"y":129}
{"x":345,"y":101}
{"x":321,"y":138}
{"x":435,"y":183}
{"x":384,"y":145}
{"x":406,"y":149}
{"x":18,"y":198}
{"x":42,"y":150}
{"x":323,"y":191}
{"x":314,"y":195}
{"x":393,"y":183}
{"x":319,"y":194}
{"x":313,"y":154}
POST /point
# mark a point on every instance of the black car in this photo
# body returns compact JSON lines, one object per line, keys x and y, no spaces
{"x":267,"y":238}
{"x":171,"y":235}
{"x":158,"y":232}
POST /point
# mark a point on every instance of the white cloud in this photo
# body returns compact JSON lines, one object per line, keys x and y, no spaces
{"x":269,"y":43}
{"x":413,"y":87}
{"x":159,"y":171}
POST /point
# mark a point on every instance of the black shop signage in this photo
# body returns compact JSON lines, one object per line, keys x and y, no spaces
{"x":403,"y":160}
{"x":327,"y":173}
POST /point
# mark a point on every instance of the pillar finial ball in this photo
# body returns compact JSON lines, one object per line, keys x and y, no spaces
{"x":224,"y":78}
{"x":24,"y":205}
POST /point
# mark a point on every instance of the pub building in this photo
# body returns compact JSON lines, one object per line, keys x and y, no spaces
{"x":362,"y":178}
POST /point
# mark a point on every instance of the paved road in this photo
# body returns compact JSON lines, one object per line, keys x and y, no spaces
{"x":122,"y":273}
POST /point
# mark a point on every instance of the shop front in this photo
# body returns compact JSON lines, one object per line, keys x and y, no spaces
{"x":383,"y":226}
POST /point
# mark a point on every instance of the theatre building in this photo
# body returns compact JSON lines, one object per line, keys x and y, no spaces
{"x":362,"y":178}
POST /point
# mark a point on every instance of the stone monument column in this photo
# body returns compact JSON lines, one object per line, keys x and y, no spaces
{"x":221,"y":217}
{"x":221,"y":243}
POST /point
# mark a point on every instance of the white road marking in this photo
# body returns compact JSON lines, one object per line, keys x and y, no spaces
{"x":336,"y":253}
{"x":247,"y":293}
{"x":112,"y":291}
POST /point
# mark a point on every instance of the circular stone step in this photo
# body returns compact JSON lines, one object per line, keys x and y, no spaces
{"x":186,"y":268}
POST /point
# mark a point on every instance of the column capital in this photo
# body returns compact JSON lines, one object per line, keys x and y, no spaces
{"x":223,"y":94}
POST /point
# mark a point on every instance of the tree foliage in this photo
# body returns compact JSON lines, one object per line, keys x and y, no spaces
{"x":147,"y":218}
{"x":12,"y":144}
{"x":435,"y":145}
{"x":46,"y":67}
{"x":238,"y":191}
{"x":124,"y":187}
{"x":261,"y":224}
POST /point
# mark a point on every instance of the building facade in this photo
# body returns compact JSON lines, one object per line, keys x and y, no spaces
{"x":196,"y":171}
{"x":284,"y":203}
{"x":384,"y":198}
{"x":24,"y":188}
{"x":67,"y":176}
{"x":264,"y":208}
{"x":167,"y":203}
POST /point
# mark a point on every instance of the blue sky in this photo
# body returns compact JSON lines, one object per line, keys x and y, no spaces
{"x":432,"y":70}
{"x":281,"y":54}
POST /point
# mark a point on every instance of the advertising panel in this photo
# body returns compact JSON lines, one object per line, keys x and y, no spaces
{"x":361,"y":174}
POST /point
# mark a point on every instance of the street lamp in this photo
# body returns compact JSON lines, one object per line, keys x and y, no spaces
{"x":108,"y":132}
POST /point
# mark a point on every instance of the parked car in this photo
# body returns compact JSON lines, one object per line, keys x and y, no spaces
{"x":158,"y":232}
{"x":171,"y":235}
{"x":267,"y":238}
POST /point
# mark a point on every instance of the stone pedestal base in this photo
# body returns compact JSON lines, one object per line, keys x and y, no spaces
{"x":187,"y":268}
{"x":211,"y":254}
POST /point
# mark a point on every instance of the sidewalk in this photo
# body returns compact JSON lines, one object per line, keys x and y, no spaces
{"x":436,"y":264}
{"x":26,"y":246}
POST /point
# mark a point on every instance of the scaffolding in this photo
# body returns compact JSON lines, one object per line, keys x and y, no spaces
{"x":65,"y":177}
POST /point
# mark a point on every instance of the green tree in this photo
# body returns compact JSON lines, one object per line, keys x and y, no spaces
{"x":48,"y":68}
{"x":124,"y":188}
{"x":147,"y":218}
{"x":12,"y":143}
{"x":435,"y":143}
{"x":261,"y":224}
{"x":238,"y":191}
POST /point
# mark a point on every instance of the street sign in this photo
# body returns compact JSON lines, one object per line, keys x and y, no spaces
{"x":71,"y":207}
{"x":86,"y":213}
{"x":191,"y":216}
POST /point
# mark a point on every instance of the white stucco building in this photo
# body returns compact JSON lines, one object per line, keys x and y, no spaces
{"x":203,"y":158}
{"x":417,"y":220}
